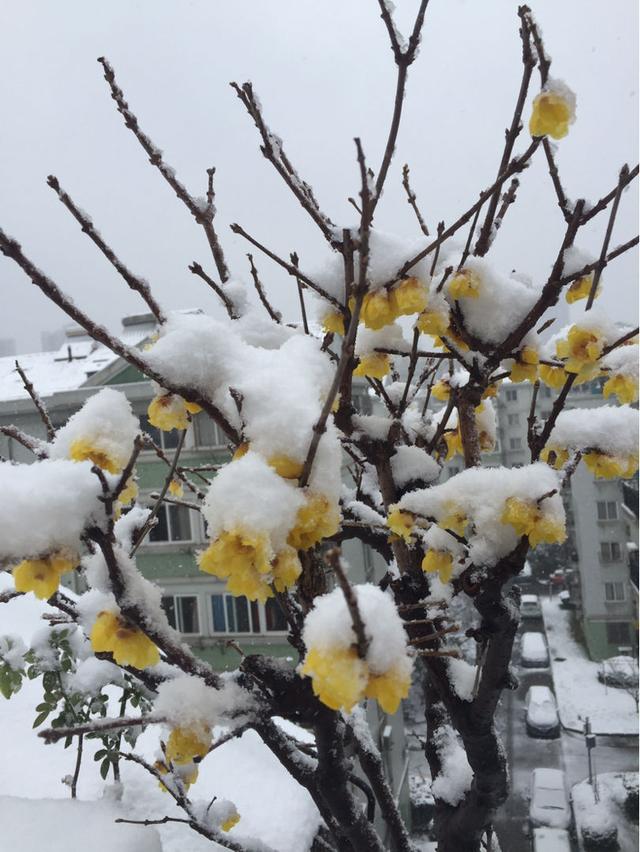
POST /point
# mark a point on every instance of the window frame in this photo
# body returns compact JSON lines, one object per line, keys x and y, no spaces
{"x":165,"y":507}
{"x":515,"y":444}
{"x":610,"y":552}
{"x":175,"y":596}
{"x":625,"y":640}
{"x":607,"y":506}
{"x":612,"y":585}
{"x":225,"y":597}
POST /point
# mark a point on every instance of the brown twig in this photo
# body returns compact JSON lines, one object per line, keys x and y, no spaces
{"x":37,"y":401}
{"x":139,"y":285}
{"x":276,"y":316}
{"x":624,"y":173}
{"x":412,"y":200}
{"x":217,"y":289}
{"x":203,"y":214}
{"x":608,"y":198}
{"x":563,"y":204}
{"x":33,"y":444}
{"x":334,"y":559}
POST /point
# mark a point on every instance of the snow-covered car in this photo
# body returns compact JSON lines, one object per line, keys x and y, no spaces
{"x":619,"y":671}
{"x":533,"y":651}
{"x":530,"y":607}
{"x":541,"y":713}
{"x":565,"y":601}
{"x":551,"y":840}
{"x":549,"y":802}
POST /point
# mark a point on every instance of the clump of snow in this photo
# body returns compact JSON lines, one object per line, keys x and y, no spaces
{"x":12,"y":651}
{"x":611,"y":429}
{"x":502,"y":302}
{"x":455,"y":776}
{"x":56,"y":825}
{"x":45,"y":506}
{"x":388,"y":337}
{"x":409,"y":464}
{"x":462,"y":677}
{"x":249,"y":494}
{"x":187,"y":701}
{"x":481,"y":493}
{"x":575,"y":259}
{"x":92,"y":675}
{"x":106,"y":422}
{"x":622,"y":361}
{"x":375,"y":426}
{"x":329,"y":624}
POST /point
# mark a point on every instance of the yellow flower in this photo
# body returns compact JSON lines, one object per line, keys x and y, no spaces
{"x":581,"y":348}
{"x":611,"y":467}
{"x":186,"y":743}
{"x":580,"y":289}
{"x":316,"y":520}
{"x":440,"y":343}
{"x":453,"y":441}
{"x":84,"y":450}
{"x":525,"y":365}
{"x":333,"y":322}
{"x":554,"y":377}
{"x":432,"y":322}
{"x":624,"y":387}
{"x":192,"y":407}
{"x":230,"y":821}
{"x":168,"y":412}
{"x":441,"y":390}
{"x":400,"y":523}
{"x":243,"y":560}
{"x":454,"y":519}
{"x":377,"y":310}
{"x":128,"y":644}
{"x":440,"y":562}
{"x":241,"y":450}
{"x":42,"y":576}
{"x":527,"y":518}
{"x":556,"y":457}
{"x":376,"y":366}
{"x":551,"y":115}
{"x":286,"y":569}
{"x":465,"y":284}
{"x":389,"y":688}
{"x":285,"y":466}
{"x":175,"y":488}
{"x":408,"y":297}
{"x":338,"y":676}
{"x":129,"y":492}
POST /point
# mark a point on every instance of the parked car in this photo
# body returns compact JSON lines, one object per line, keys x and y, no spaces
{"x":541,"y":713}
{"x":619,"y":671}
{"x":533,"y":651}
{"x":549,"y":806}
{"x":530,"y":607}
{"x":557,"y":578}
{"x":551,"y":840}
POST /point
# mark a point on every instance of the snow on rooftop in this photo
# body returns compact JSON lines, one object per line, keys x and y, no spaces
{"x":63,"y":369}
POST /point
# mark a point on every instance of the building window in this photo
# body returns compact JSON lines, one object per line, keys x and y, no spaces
{"x":274,"y":616}
{"x":234,"y":614}
{"x":618,"y":632}
{"x":607,"y":510}
{"x":513,"y":419}
{"x":614,"y":592}
{"x":610,"y":551}
{"x":512,"y":395}
{"x":515,"y":443}
{"x":182,"y":612}
{"x":207,"y":433}
{"x":173,"y":524}
{"x":166,"y":440}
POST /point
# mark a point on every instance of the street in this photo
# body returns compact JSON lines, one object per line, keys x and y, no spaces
{"x":525,"y":753}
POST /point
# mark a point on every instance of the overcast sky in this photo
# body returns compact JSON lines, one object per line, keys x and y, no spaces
{"x":324,"y":73}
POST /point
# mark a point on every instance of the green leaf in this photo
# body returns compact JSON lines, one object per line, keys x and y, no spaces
{"x":104,"y":768}
{"x":40,"y":718}
{"x":100,"y":754}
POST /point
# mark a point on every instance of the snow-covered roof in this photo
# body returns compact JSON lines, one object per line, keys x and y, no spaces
{"x":63,"y":369}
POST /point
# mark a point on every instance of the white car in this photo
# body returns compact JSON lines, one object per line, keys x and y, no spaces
{"x":549,"y":805}
{"x":530,"y":607}
{"x":541,"y":713}
{"x":551,"y":840}
{"x":533,"y":651}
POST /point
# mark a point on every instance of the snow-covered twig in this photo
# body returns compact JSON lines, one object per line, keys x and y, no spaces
{"x":38,"y":402}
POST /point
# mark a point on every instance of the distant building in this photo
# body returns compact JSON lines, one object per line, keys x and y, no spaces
{"x":51,"y":340}
{"x":7,"y":346}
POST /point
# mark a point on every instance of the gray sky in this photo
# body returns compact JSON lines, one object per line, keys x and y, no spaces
{"x":324,"y":73}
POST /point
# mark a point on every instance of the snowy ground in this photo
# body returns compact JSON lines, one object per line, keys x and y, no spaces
{"x":609,"y":810}
{"x":578,"y":690}
{"x":272,"y":806}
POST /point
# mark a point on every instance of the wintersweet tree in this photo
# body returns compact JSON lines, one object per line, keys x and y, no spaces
{"x":431,"y":327}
